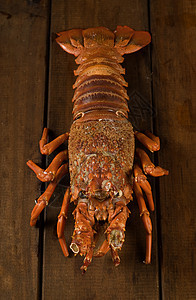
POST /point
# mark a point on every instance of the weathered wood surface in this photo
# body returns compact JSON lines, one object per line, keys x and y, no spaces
{"x":25,"y":84}
{"x":174,"y":60}
{"x":23,"y":29}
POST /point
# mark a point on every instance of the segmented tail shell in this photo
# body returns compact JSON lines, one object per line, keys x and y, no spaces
{"x":100,"y":91}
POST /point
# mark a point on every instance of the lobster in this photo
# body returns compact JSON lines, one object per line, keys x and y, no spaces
{"x":101,"y":147}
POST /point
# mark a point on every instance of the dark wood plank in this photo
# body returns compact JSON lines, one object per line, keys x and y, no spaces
{"x":173,"y":28}
{"x":132,"y":279}
{"x":23,"y":28}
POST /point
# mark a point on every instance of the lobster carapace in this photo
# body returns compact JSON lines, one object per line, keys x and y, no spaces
{"x":101,"y":146}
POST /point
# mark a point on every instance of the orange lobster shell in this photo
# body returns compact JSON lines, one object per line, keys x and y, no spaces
{"x":101,"y":146}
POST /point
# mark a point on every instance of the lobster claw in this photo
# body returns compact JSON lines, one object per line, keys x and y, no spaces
{"x":127,"y":40}
{"x":71,"y":41}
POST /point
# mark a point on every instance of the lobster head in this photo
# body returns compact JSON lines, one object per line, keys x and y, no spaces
{"x":101,"y":178}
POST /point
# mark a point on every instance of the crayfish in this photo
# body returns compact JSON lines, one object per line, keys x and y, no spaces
{"x":101,"y":147}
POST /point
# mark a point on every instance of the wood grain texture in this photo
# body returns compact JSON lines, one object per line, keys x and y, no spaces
{"x":23,"y":27}
{"x":173,"y":26}
{"x":23,"y":32}
{"x":62,"y":277}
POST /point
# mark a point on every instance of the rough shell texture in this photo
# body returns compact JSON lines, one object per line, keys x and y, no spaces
{"x":100,"y":152}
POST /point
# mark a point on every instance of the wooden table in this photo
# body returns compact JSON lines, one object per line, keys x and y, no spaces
{"x":36,"y":91}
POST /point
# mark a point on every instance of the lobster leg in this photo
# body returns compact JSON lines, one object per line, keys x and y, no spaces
{"x":49,"y":173}
{"x":141,"y":179}
{"x":47,"y":149}
{"x":144,"y":214}
{"x":148,"y":166}
{"x":153,"y":137}
{"x":151,"y":142}
{"x":45,"y":197}
{"x":61,"y":222}
{"x":83,"y":236}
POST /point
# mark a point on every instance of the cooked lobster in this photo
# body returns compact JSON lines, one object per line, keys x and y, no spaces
{"x":101,"y":147}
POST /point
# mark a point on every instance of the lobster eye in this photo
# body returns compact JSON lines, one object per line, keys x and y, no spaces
{"x":81,"y":194}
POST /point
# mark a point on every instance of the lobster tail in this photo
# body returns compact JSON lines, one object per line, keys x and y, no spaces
{"x":124,"y":39}
{"x":129,"y":40}
{"x":100,"y":92}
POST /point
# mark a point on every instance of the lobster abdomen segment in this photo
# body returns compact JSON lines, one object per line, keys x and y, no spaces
{"x":100,"y":87}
